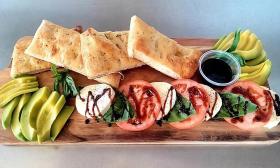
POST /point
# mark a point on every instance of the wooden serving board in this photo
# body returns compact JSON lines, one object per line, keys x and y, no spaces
{"x":210,"y":132}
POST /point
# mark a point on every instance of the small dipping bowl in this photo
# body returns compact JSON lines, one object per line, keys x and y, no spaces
{"x":228,"y":58}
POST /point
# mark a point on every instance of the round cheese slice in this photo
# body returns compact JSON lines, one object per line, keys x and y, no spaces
{"x":215,"y":102}
{"x":167,"y":96}
{"x":274,"y":120}
{"x":98,"y":98}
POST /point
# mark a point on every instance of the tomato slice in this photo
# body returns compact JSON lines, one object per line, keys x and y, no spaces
{"x":199,"y":99}
{"x":257,"y":95}
{"x":146,"y":103}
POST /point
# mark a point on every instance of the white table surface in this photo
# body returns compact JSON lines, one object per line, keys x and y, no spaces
{"x":209,"y":19}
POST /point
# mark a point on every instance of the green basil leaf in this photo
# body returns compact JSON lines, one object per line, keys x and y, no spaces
{"x":62,"y":77}
{"x":235,"y":105}
{"x":66,"y":89}
{"x":120,"y":110}
{"x":71,"y":85}
{"x":235,"y":41}
{"x":56,"y":85}
{"x":54,"y":70}
{"x":182,"y":109}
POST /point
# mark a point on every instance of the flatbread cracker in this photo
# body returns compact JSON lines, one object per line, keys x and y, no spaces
{"x":105,"y":53}
{"x":111,"y":79}
{"x":25,"y":64}
{"x":58,"y":45}
{"x":148,"y":45}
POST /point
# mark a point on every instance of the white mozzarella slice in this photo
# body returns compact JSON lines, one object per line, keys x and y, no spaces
{"x":102,"y":104}
{"x":215,"y":102}
{"x":167,"y":96}
{"x":274,"y":120}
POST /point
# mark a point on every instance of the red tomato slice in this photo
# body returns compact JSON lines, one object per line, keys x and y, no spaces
{"x":146,"y":103}
{"x":199,"y":99}
{"x":257,"y":95}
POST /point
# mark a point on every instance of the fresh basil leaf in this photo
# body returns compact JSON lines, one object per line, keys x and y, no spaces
{"x":56,"y":85}
{"x":235,"y":41}
{"x":66,"y":89}
{"x":235,"y":105}
{"x":120,"y":110}
{"x":182,"y":109}
{"x":71,"y":84}
{"x":62,"y":77}
{"x":54,"y":70}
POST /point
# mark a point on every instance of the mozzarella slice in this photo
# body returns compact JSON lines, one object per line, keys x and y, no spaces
{"x":215,"y":102}
{"x":167,"y":96}
{"x":274,"y":120}
{"x":102,"y":104}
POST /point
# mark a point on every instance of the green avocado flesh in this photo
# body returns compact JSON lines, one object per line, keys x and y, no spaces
{"x":8,"y":111}
{"x":48,"y":114}
{"x":30,"y":112}
{"x":17,"y":87}
{"x":15,"y":123}
{"x":60,"y":121}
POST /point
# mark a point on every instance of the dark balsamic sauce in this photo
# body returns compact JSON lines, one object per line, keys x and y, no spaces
{"x":210,"y":111}
{"x":91,"y":97}
{"x":262,"y":114}
{"x":195,"y":93}
{"x":169,"y":93}
{"x":145,"y":99}
{"x":217,"y":70}
{"x":276,"y":104}
{"x":80,"y":97}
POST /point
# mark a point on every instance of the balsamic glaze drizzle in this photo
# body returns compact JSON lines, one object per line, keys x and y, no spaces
{"x":91,"y":97}
{"x":170,"y":92}
{"x":147,"y":94}
{"x":210,"y":111}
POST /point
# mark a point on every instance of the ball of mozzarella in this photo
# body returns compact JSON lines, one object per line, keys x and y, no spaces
{"x":102,"y":104}
{"x":215,"y":102}
{"x":274,"y":120}
{"x":166,"y":98}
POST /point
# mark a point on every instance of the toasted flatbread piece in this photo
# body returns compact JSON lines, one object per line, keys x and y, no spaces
{"x":148,"y":45}
{"x":105,"y":53}
{"x":58,"y":45}
{"x":61,"y":46}
{"x":111,"y":79}
{"x":25,"y":64}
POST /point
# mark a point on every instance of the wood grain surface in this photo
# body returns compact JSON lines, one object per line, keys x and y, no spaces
{"x":211,"y":132}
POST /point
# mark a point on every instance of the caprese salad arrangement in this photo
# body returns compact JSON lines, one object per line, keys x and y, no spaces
{"x":184,"y":104}
{"x":237,"y":64}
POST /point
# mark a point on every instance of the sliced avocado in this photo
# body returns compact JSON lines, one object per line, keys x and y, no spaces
{"x":225,"y":44}
{"x":16,"y":81}
{"x":15,"y":123}
{"x":60,"y":121}
{"x":30,"y":112}
{"x":17,"y":92}
{"x":219,"y":42}
{"x":48,"y":114}
{"x":17,"y":87}
{"x":8,"y":111}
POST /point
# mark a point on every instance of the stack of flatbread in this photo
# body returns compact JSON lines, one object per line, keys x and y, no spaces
{"x":101,"y":55}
